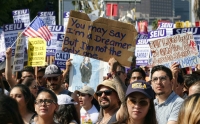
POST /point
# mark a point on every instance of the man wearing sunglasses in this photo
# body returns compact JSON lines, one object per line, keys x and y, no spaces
{"x":53,"y":75}
{"x":108,"y":95}
{"x":167,"y":102}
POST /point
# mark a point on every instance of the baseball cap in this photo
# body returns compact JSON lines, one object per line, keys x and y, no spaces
{"x":87,"y":90}
{"x":64,"y":99}
{"x":142,"y":87}
{"x":52,"y":71}
{"x":107,"y":83}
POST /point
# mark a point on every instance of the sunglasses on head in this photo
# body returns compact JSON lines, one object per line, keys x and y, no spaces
{"x":52,"y":78}
{"x":119,"y":72}
{"x":106,"y":92}
{"x":35,"y":87}
{"x":140,"y":103}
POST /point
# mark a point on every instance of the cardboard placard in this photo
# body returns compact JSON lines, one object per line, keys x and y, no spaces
{"x":36,"y":52}
{"x":100,"y":39}
{"x":179,"y":48}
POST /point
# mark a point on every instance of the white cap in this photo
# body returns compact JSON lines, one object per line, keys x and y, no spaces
{"x":64,"y":99}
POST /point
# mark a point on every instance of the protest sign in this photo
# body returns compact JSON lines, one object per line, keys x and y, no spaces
{"x":11,"y":33}
{"x":18,"y":63}
{"x":179,"y":48}
{"x":2,"y":47}
{"x":36,"y":52}
{"x":48,"y":17}
{"x":66,"y":19}
{"x":179,"y":24}
{"x":142,"y":51}
{"x":100,"y":39}
{"x":195,"y":31}
{"x":51,"y":45}
{"x":60,"y":56}
{"x":168,"y":26}
{"x":21,"y":16}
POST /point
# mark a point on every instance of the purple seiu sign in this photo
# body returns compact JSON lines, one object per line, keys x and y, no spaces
{"x":157,"y":33}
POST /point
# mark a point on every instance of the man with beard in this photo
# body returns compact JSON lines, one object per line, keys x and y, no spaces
{"x":108,"y":96}
{"x":53,"y":75}
{"x":167,"y":103}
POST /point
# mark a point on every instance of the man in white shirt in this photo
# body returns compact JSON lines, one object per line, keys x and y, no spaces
{"x":89,"y":113}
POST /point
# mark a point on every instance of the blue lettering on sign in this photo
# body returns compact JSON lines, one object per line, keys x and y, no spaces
{"x":56,"y":28}
{"x":49,"y":13}
{"x":157,"y":33}
{"x":20,"y":12}
{"x":66,"y":14}
{"x":18,"y":21}
{"x":51,"y":51}
{"x":60,"y":37}
{"x":142,"y":41}
{"x":12,"y":27}
{"x":189,"y":61}
{"x":117,"y":34}
{"x":49,"y":43}
{"x":62,"y":56}
{"x":194,"y":30}
{"x":166,"y":25}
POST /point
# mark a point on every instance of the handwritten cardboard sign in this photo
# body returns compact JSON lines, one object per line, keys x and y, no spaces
{"x":36,"y":52}
{"x":99,"y":39}
{"x":179,"y":48}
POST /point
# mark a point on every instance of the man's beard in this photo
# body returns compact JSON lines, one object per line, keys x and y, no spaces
{"x":160,"y":93}
{"x":104,"y":106}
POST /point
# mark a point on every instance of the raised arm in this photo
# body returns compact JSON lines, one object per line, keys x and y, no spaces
{"x":8,"y":71}
{"x":68,"y":64}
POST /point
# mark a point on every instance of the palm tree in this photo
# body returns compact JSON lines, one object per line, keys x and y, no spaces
{"x":155,"y":24}
{"x":196,"y":9}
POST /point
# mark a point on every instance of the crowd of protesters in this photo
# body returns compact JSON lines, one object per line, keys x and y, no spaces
{"x":168,"y":96}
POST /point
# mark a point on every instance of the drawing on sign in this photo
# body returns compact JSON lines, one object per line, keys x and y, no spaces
{"x":86,"y":70}
{"x":98,"y":40}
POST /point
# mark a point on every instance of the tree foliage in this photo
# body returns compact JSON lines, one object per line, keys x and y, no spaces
{"x":7,"y":6}
{"x":196,"y":9}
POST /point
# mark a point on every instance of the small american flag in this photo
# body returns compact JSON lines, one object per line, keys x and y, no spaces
{"x":38,"y":29}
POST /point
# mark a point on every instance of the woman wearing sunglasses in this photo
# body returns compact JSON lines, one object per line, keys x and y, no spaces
{"x":25,"y":100}
{"x":139,"y":103}
{"x":45,"y":106}
{"x":31,"y":83}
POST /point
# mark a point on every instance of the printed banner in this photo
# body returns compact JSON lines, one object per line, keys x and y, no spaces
{"x":179,"y":48}
{"x":152,"y":35}
{"x":60,"y":56}
{"x":2,"y":47}
{"x":11,"y":33}
{"x":18,"y":63}
{"x":36,"y":52}
{"x":65,"y":19}
{"x":100,"y":39}
{"x":142,"y":51}
{"x":21,"y":16}
{"x":169,"y":28}
{"x":51,"y":45}
{"x":48,"y":18}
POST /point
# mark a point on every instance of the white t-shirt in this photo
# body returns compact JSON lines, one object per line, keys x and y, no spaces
{"x":91,"y":114}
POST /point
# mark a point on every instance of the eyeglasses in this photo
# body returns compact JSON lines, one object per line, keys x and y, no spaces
{"x":52,"y":78}
{"x":39,"y":77}
{"x":136,"y":78}
{"x":162,"y":78}
{"x":140,"y":103}
{"x":34,"y":87}
{"x":119,"y":72}
{"x":45,"y":101}
{"x":106,"y":92}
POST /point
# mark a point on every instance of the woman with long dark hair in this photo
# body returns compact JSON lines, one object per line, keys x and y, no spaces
{"x":25,"y":100}
{"x":31,"y":83}
{"x":9,"y":112}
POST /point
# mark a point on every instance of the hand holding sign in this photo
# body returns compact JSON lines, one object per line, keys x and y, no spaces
{"x":9,"y":53}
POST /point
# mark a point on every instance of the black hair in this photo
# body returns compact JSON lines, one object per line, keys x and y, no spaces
{"x":28,"y":81}
{"x":140,"y":70}
{"x":162,"y":68}
{"x":180,"y":79}
{"x":41,"y":70}
{"x":53,"y":95}
{"x":28,"y":96}
{"x":67,"y":113}
{"x":190,"y":79}
{"x":28,"y":69}
{"x":9,"y":111}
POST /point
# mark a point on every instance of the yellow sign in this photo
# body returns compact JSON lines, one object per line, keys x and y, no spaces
{"x":36,"y":52}
{"x":187,"y":24}
{"x":179,"y":24}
